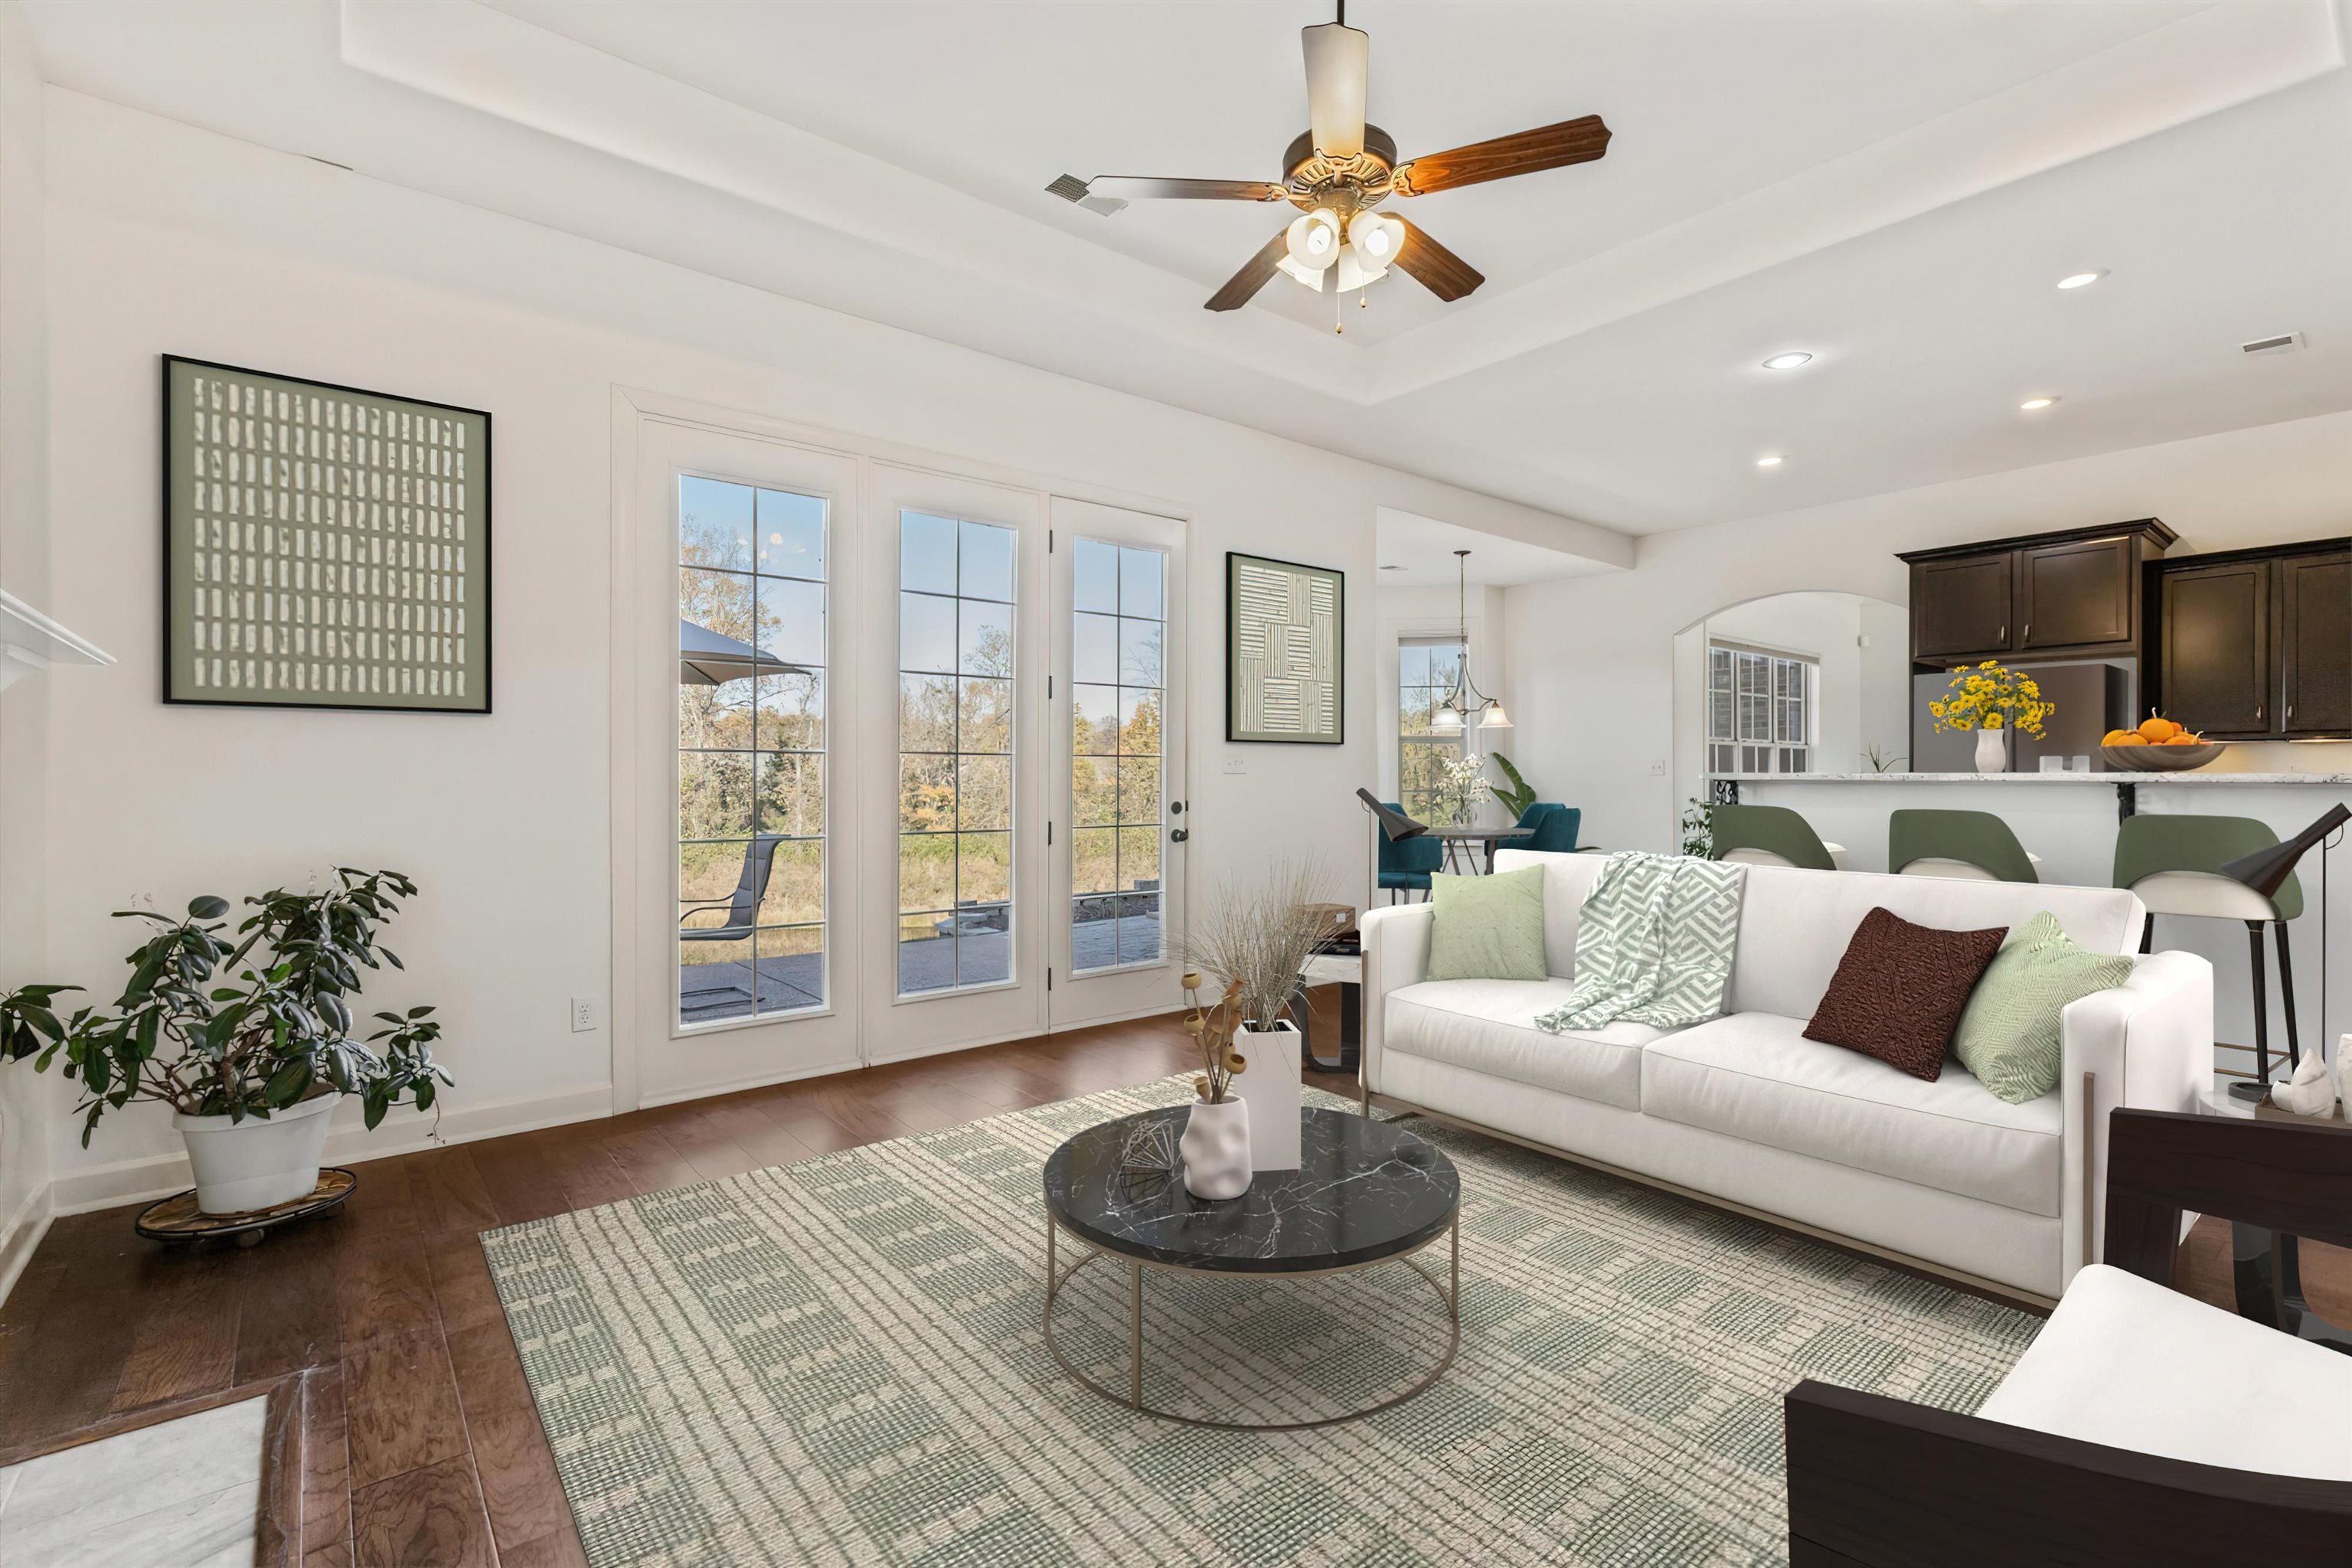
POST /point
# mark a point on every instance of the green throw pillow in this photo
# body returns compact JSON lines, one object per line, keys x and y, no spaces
{"x":2009,"y":1034}
{"x":1487,"y":928}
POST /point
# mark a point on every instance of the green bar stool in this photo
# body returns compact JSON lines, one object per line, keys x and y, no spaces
{"x":1967,"y":845}
{"x":1770,"y":835}
{"x":2174,"y":864}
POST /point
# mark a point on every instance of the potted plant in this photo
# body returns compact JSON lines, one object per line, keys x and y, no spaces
{"x":1254,"y":942}
{"x":1520,"y":795}
{"x":247,"y":1038}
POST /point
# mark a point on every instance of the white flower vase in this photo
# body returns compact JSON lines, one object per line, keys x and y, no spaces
{"x":1271,"y":1087}
{"x":1217,"y":1150}
{"x":255,"y":1163}
{"x":1992,"y":751}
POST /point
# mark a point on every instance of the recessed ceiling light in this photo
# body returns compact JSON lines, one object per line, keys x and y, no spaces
{"x":1773,"y":461}
{"x":2031,"y":404}
{"x":1786,"y":362}
{"x":2082,"y":280}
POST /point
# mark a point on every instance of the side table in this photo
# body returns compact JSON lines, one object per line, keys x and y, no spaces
{"x":2267,"y":1264}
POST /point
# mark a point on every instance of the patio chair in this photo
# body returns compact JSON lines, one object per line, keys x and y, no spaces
{"x":742,"y":906}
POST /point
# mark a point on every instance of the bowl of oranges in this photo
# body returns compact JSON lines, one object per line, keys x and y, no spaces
{"x":2158,"y":746}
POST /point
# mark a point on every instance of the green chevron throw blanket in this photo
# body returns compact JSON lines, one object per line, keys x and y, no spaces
{"x":1654,"y":944}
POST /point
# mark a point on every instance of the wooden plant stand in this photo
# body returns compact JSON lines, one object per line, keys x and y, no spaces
{"x":177,"y":1218}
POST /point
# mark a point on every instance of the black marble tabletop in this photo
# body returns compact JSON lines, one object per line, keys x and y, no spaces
{"x":1364,"y":1190}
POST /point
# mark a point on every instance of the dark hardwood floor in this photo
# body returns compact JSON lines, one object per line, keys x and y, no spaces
{"x":423,"y":1446}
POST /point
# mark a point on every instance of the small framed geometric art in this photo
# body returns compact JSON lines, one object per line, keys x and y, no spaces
{"x":323,"y":547}
{"x":1286,"y":652}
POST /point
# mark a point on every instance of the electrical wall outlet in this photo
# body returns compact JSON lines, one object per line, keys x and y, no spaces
{"x":1658,"y":768}
{"x":583,"y":1014}
{"x":1237,"y":762}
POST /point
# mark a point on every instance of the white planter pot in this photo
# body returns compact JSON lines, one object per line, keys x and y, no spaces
{"x":1271,"y":1087}
{"x":1217,"y":1150}
{"x":1992,"y":751}
{"x":254,"y":1163}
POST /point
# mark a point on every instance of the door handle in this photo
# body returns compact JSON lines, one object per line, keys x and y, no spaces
{"x":2029,"y":633}
{"x":2002,"y":635}
{"x":1178,"y":835}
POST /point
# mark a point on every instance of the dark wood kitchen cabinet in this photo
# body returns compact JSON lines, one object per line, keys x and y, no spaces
{"x":2314,"y":598}
{"x":2077,"y":592}
{"x":2215,"y":634}
{"x":1960,"y":605}
{"x":2255,"y":645}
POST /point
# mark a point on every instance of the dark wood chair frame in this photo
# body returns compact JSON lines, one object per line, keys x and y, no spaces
{"x":1876,"y":1482}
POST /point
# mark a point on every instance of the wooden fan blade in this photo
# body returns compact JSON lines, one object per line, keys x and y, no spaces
{"x":1141,"y":187}
{"x":1436,"y":269}
{"x":1243,"y":285}
{"x":1569,"y":142}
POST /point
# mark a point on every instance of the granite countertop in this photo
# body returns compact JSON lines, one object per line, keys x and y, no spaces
{"x":2119,"y":776}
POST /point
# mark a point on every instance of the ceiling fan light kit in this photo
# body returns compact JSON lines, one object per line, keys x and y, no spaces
{"x":1340,"y":168}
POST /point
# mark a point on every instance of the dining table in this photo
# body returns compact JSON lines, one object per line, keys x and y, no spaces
{"x":1462,"y":846}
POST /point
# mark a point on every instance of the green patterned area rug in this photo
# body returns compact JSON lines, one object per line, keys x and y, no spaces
{"x":841,"y":1362}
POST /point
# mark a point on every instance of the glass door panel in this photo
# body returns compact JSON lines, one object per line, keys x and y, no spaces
{"x":955,"y":761}
{"x":1118,"y":626}
{"x":961,"y":867}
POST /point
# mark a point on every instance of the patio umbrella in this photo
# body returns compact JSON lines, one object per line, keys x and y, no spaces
{"x":706,"y":659}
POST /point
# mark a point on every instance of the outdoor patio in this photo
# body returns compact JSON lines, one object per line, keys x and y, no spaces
{"x":712,"y":992}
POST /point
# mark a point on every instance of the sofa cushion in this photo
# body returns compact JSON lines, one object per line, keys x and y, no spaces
{"x":1755,"y":1076}
{"x":1487,"y":928}
{"x":2130,"y":1365}
{"x":1899,"y":991}
{"x":2013,"y":1035}
{"x":1488,"y":1027}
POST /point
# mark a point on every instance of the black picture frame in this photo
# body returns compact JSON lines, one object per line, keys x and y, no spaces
{"x":1236,"y":734}
{"x":177,"y":694}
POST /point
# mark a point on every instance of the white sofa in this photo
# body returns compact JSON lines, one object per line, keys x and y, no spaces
{"x":1746,"y":1109}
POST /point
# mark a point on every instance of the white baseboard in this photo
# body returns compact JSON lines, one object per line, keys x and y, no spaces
{"x":21,"y":1235}
{"x":403,"y":1132}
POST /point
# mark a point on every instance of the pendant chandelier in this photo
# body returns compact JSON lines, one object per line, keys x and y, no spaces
{"x":1465,"y":698}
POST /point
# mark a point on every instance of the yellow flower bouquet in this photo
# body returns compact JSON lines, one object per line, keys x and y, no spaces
{"x":1991,"y":696}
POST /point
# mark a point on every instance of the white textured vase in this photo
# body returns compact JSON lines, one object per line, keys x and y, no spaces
{"x":1217,"y":1150}
{"x":1992,"y":751}
{"x":1271,"y":1087}
{"x":254,"y":1163}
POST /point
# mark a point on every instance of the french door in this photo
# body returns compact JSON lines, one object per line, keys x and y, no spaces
{"x":746,"y":963}
{"x":1118,"y":762}
{"x":906,"y":762}
{"x":955,"y":643}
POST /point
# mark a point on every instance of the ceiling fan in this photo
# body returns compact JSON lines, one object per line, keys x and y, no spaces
{"x":1338,"y":171}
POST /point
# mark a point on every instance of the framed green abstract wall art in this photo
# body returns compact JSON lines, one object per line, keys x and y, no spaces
{"x":1286,"y":652}
{"x":323,"y":547}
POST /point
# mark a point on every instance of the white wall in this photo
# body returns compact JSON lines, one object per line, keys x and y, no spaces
{"x":24,"y":571}
{"x":167,"y":239}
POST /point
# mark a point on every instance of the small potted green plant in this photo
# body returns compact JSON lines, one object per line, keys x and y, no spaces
{"x":248,"y":1038}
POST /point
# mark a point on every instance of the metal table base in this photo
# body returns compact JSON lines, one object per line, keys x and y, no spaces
{"x":1450,"y":1293}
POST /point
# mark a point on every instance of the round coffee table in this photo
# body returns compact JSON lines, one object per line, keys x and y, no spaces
{"x":1365,"y":1192}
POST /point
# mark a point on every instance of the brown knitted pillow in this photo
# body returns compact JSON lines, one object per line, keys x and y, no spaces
{"x":1900,"y":989}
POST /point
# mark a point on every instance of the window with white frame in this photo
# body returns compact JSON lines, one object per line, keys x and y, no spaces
{"x":1759,"y":710}
{"x":1427,"y":670}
